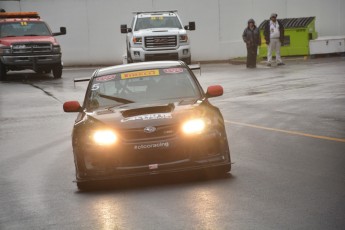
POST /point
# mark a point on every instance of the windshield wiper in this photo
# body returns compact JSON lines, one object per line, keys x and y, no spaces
{"x":118,"y":99}
{"x":31,"y":35}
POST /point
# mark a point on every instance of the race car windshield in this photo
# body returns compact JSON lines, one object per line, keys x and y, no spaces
{"x":24,"y":28}
{"x":157,"y":22}
{"x":172,"y":84}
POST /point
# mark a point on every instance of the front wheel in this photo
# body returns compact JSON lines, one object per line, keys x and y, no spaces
{"x":57,"y":71}
{"x":2,"y":72}
{"x":129,"y":58}
{"x":188,"y":60}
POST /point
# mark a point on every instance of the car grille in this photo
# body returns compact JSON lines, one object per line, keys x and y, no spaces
{"x":161,"y":41}
{"x":31,"y":48}
{"x":161,"y":132}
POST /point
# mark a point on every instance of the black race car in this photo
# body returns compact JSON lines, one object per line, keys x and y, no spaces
{"x":147,"y":118}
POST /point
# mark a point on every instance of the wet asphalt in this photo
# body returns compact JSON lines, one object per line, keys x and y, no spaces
{"x":286,"y":127}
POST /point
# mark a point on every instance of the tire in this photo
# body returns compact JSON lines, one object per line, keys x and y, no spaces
{"x":57,"y":71}
{"x":129,"y":58}
{"x":2,"y":72}
{"x":188,"y":60}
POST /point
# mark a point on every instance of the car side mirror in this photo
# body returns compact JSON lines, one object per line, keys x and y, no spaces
{"x":191,"y":26}
{"x":63,"y":31}
{"x":72,"y":107}
{"x":125,"y":30}
{"x":214,"y":91}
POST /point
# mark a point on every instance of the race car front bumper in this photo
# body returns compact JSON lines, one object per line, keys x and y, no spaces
{"x":156,"y":157}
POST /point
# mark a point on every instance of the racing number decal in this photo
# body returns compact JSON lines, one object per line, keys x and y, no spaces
{"x":144,"y":73}
{"x":95,"y":87}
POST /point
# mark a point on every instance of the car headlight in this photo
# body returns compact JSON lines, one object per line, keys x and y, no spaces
{"x":194,"y":126}
{"x":104,"y":137}
{"x":137,"y":40}
{"x":183,"y":38}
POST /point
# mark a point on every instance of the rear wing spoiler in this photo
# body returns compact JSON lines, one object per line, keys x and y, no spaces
{"x":80,"y":80}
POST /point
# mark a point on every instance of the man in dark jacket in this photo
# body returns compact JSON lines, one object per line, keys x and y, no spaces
{"x":274,"y":36}
{"x":251,"y":36}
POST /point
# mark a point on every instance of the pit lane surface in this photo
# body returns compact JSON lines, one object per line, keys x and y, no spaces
{"x":286,"y":128}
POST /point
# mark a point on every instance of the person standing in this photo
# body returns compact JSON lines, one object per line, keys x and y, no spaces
{"x":251,"y":36}
{"x":274,"y":35}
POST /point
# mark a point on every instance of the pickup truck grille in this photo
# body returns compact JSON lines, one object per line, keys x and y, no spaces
{"x":31,"y":48}
{"x":161,"y":41}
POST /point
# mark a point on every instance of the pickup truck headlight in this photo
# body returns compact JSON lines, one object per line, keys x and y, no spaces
{"x":5,"y":50}
{"x":137,"y":40}
{"x":183,"y":38}
{"x":56,"y":49}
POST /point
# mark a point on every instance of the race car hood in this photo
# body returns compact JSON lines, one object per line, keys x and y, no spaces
{"x":137,"y":115}
{"x":7,"y":41}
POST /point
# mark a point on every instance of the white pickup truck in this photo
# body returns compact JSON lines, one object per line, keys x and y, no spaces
{"x":157,"y":35}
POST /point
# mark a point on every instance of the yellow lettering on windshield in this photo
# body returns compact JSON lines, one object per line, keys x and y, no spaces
{"x":24,"y":23}
{"x":144,"y":73}
{"x":157,"y":18}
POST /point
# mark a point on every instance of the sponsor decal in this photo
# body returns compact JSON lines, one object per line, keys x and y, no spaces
{"x":152,"y":146}
{"x":173,"y":70}
{"x":106,"y":77}
{"x":155,"y":116}
{"x":144,"y":73}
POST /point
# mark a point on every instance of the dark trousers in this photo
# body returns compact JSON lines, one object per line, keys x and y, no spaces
{"x":251,"y":56}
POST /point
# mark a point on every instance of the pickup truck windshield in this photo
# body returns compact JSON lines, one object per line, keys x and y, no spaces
{"x":157,"y":22}
{"x":23,"y":28}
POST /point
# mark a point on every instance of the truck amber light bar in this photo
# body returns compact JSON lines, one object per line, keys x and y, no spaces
{"x":155,"y":12}
{"x":20,"y":15}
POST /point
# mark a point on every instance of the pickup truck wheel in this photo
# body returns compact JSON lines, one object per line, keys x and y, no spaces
{"x":57,"y":71}
{"x":2,"y":72}
{"x":188,"y":60}
{"x":129,"y":58}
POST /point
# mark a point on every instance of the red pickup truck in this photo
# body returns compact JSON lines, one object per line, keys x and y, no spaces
{"x":26,"y":42}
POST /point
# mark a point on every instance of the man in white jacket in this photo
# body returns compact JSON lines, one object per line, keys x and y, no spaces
{"x":274,"y":36}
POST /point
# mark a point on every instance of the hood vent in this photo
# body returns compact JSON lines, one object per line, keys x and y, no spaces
{"x":160,"y":31}
{"x":148,"y":110}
